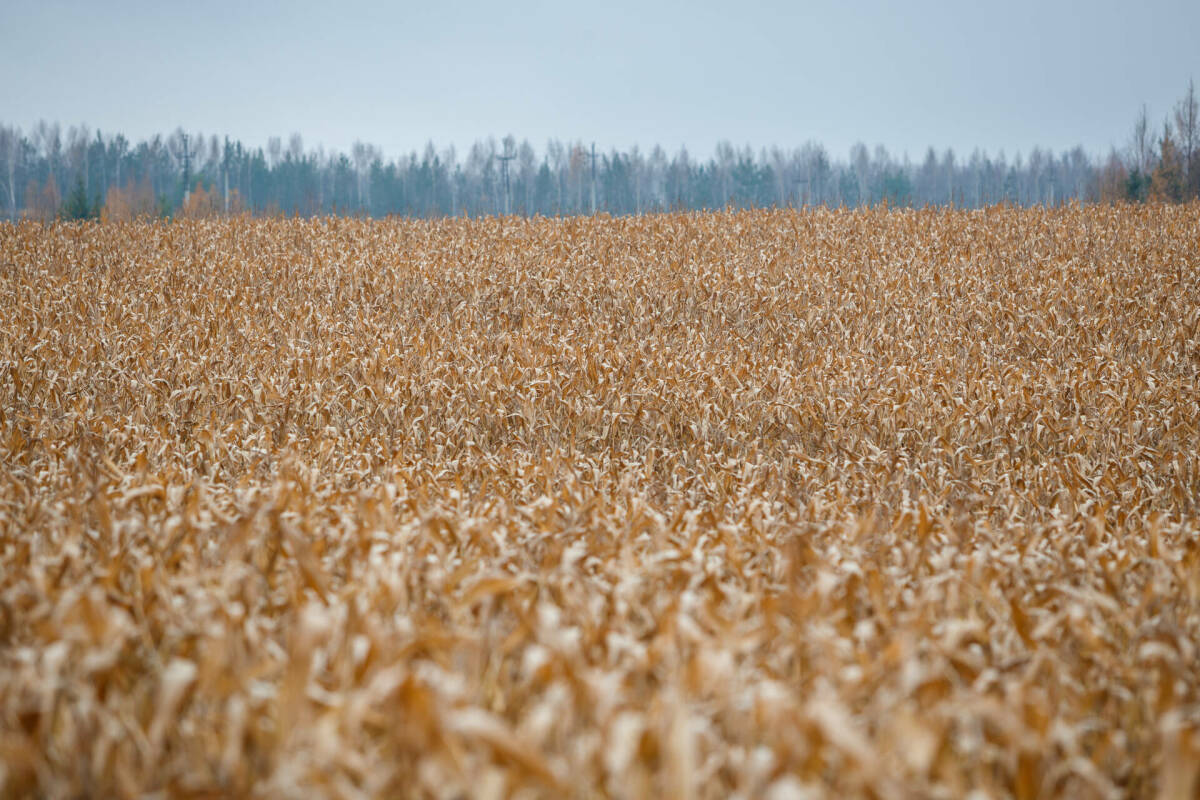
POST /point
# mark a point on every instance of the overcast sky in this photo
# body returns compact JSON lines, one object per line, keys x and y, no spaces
{"x":903,"y":74}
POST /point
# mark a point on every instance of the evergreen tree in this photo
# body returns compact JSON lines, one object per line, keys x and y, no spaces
{"x":1137,"y":185}
{"x":77,"y":205}
{"x":897,"y":189}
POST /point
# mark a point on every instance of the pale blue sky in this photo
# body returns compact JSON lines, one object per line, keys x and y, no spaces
{"x":906,"y":75}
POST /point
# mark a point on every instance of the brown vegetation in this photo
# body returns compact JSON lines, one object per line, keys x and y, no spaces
{"x":782,"y":504}
{"x":134,"y":201}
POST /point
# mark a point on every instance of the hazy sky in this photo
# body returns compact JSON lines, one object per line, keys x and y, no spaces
{"x":904,"y":74}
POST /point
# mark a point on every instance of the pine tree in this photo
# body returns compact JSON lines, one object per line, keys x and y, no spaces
{"x":1137,"y":186}
{"x":77,"y":205}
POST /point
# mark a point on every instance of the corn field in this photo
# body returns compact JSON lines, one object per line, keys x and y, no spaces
{"x":771,"y":504}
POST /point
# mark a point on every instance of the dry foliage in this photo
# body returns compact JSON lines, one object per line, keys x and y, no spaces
{"x":888,"y":504}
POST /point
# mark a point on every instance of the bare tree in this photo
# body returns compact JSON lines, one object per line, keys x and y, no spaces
{"x":1141,"y":143}
{"x":926,"y":183}
{"x":1187,"y":133}
{"x":725,"y":159}
{"x":120,"y":146}
{"x":77,"y":152}
{"x":10,"y":154}
{"x":556,"y":154}
{"x":526,"y":172}
{"x":361,"y":154}
{"x":860,"y":163}
{"x":47,"y":137}
{"x":656,"y":168}
{"x":450,"y":162}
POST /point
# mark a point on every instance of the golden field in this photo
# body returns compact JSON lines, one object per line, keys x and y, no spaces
{"x":763,"y":504}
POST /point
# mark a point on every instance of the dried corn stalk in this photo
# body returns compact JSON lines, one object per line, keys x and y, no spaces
{"x":889,"y":504}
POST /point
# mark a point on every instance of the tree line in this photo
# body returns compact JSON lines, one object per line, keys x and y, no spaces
{"x":47,"y":173}
{"x":1158,"y":163}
